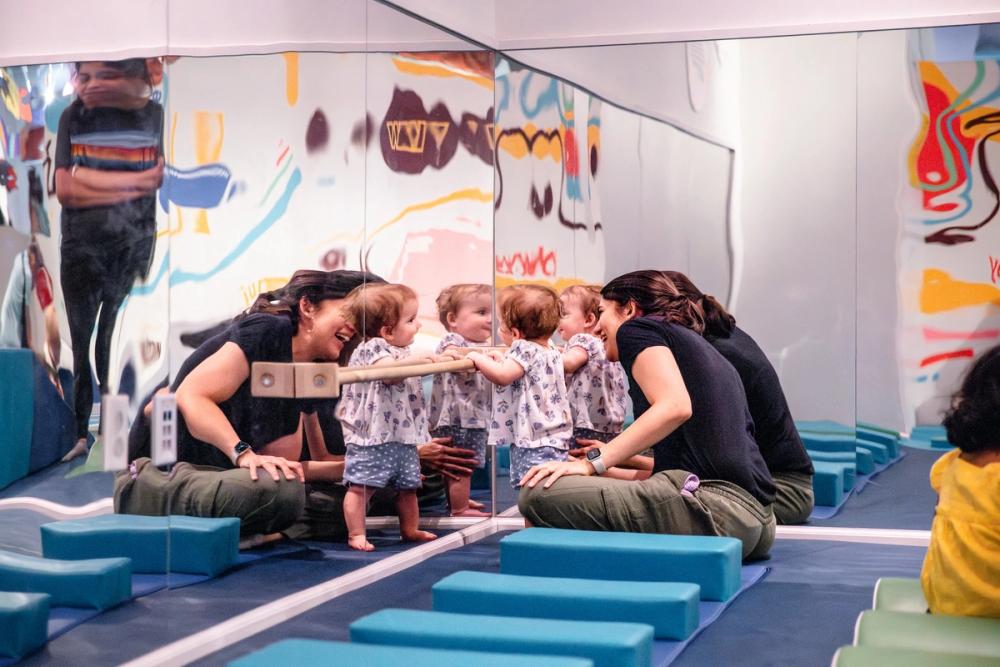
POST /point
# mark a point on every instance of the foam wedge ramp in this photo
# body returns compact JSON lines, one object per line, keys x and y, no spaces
{"x":24,"y":623}
{"x":711,"y":562}
{"x":670,"y":607}
{"x":197,"y":545}
{"x":936,"y":633}
{"x":98,"y":583}
{"x":606,"y":644}
{"x":828,"y":483}
{"x":873,"y":656}
{"x":897,"y":594}
{"x":825,"y":426}
{"x":317,"y":652}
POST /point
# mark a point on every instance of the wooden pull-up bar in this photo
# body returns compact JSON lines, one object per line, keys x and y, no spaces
{"x":323,"y":380}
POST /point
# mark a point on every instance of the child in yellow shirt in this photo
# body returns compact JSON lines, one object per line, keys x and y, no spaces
{"x":961,"y":573}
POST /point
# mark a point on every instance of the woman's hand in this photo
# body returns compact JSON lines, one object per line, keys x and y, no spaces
{"x":554,"y":470}
{"x":252,"y":460}
{"x":452,"y":462}
{"x":583,"y":445}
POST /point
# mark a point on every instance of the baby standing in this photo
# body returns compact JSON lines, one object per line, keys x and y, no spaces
{"x":460,"y":402}
{"x":530,"y":403}
{"x":598,"y":388}
{"x":383,"y":421}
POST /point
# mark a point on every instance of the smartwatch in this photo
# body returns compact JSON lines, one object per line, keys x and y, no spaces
{"x":240,"y":448}
{"x":594,"y":456}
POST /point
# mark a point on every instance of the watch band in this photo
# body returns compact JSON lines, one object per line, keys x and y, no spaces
{"x":239,"y":449}
{"x":594,"y":456}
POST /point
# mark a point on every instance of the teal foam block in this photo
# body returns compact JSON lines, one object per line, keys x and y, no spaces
{"x":881,"y":453}
{"x":892,"y":442}
{"x":826,"y":442}
{"x":860,"y":459}
{"x":941,"y":442}
{"x":98,"y":583}
{"x":671,"y":608}
{"x":607,"y":644}
{"x":16,"y":414}
{"x":825,"y":426}
{"x":711,"y":562}
{"x":828,"y":483}
{"x":197,"y":545}
{"x":316,"y":652}
{"x":24,"y":623}
{"x":864,"y":461}
{"x":503,"y":457}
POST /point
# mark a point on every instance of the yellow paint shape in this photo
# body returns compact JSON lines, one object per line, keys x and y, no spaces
{"x":432,"y":69}
{"x":474,"y":194}
{"x":291,"y":78}
{"x":559,"y":284}
{"x":517,"y":146}
{"x":941,"y":293}
{"x":209,"y":131}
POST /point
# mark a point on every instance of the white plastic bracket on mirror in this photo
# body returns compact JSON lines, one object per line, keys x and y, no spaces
{"x":114,"y":431}
{"x":164,"y":430}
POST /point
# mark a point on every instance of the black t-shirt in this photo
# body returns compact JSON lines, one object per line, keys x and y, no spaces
{"x":774,"y":428}
{"x":261,"y":337}
{"x":110,"y":139}
{"x":717,"y":441}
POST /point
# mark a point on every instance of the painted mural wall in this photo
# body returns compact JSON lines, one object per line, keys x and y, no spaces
{"x":277,"y":163}
{"x":586,"y":190}
{"x":949,"y":257}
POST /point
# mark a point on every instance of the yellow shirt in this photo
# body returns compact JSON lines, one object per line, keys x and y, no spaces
{"x":961,"y":574}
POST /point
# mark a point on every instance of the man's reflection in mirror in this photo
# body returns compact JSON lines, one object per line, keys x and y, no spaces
{"x":109,"y":165}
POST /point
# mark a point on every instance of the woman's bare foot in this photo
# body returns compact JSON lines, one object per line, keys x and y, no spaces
{"x":360,"y":543}
{"x":419,"y":536}
{"x":470,"y":511}
{"x":475,"y":504}
{"x":79,"y":449}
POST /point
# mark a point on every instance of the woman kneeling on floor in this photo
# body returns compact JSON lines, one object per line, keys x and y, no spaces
{"x":708,"y":475}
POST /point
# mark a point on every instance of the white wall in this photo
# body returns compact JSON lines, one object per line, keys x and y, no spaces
{"x":888,"y":120}
{"x":797,"y":205}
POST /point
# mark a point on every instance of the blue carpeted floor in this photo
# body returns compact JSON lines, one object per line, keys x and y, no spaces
{"x":51,"y":484}
{"x":142,"y":625}
{"x":900,"y":497}
{"x":810,"y":601}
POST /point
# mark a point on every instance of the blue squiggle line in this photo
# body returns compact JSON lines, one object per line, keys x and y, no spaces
{"x":179,"y":277}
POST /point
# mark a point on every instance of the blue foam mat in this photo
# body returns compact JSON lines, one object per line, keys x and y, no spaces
{"x":64,"y":619}
{"x":665,"y":652}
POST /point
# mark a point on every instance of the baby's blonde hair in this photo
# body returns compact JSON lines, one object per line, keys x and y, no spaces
{"x":451,"y":298}
{"x":588,"y":297}
{"x":377,"y":305}
{"x":531,"y":309}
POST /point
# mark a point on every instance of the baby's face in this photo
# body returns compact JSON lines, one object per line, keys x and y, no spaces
{"x":101,"y":86}
{"x":406,"y":329}
{"x":572,"y":320}
{"x":474,"y":319}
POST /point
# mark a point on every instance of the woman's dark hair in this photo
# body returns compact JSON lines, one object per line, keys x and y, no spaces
{"x":655,"y":294}
{"x":314,"y":286}
{"x":973,"y":422}
{"x":719,"y":323}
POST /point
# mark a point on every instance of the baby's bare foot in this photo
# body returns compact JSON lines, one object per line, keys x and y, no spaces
{"x":476,"y":505}
{"x":419,"y":536}
{"x":360,"y":543}
{"x":469,"y":511}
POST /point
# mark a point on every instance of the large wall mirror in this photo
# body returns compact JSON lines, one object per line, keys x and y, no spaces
{"x":836,"y":193}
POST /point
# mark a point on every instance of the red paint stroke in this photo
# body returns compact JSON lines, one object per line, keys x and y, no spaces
{"x":282,"y":156}
{"x":939,"y":334}
{"x":957,"y":354}
{"x":994,"y":269}
{"x":542,"y":260}
{"x":572,"y":154}
{"x":931,"y":155}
